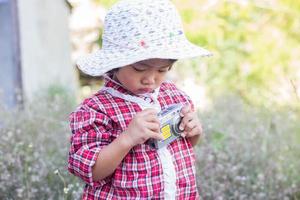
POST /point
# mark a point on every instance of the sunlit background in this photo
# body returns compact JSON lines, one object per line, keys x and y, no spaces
{"x":247,"y":95}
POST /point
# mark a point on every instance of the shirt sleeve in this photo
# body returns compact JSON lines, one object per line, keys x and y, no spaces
{"x":91,"y":131}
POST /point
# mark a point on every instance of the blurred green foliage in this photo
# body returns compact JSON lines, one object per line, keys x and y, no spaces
{"x":249,"y":152}
{"x":256,"y":46}
{"x":34,"y":144}
{"x":105,"y":3}
{"x":246,"y":154}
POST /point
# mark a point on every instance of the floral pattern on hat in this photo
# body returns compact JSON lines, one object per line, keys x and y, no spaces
{"x":136,"y":30}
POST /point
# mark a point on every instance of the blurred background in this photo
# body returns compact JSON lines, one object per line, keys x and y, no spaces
{"x":247,"y":95}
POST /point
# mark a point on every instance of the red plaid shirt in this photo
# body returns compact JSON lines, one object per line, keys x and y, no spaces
{"x":98,"y":121}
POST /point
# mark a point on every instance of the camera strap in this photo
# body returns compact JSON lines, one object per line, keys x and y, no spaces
{"x":145,"y":101}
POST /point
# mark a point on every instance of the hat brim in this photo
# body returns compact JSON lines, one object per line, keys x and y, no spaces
{"x":102,"y":61}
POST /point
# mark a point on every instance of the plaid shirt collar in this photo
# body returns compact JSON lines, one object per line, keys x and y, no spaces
{"x":111,"y":83}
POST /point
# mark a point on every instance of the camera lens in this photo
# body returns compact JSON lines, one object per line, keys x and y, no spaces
{"x":175,"y":125}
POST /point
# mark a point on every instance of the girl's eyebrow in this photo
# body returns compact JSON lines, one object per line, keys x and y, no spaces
{"x":159,"y":67}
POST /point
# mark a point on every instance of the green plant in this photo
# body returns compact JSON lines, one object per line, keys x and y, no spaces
{"x":248,"y":152}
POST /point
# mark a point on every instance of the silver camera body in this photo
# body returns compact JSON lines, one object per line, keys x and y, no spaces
{"x":170,"y":120}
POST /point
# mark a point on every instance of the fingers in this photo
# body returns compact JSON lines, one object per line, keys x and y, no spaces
{"x":152,"y":118}
{"x":197,"y":130}
{"x":148,"y":111}
{"x":190,"y":124}
{"x":149,"y":114}
{"x":156,"y":135}
{"x":152,"y":130}
{"x":153,"y":126}
{"x":186,"y":120}
{"x":186,"y":109}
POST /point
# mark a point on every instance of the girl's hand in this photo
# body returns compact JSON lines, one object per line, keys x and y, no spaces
{"x":190,"y":123}
{"x":143,"y":126}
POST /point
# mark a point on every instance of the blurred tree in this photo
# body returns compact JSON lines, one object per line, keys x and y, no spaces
{"x":256,"y":46}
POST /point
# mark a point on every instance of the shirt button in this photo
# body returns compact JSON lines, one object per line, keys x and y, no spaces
{"x":148,"y":99}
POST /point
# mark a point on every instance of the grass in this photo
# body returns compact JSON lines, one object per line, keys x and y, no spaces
{"x":247,"y":152}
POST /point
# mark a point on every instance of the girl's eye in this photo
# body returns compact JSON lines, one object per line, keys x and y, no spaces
{"x":138,"y":69}
{"x":163,"y":70}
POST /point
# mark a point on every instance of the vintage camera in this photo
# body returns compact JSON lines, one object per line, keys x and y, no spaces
{"x":170,"y":120}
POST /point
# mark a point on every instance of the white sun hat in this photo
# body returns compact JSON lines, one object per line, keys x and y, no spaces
{"x":136,"y":30}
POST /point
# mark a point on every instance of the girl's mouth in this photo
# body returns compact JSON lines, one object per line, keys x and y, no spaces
{"x":145,"y":90}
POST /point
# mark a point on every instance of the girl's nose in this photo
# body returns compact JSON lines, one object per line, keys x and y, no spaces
{"x":149,"y":79}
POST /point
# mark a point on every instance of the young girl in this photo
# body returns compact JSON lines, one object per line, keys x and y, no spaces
{"x":109,"y":149}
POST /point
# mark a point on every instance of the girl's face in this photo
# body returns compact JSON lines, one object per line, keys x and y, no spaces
{"x":144,"y":76}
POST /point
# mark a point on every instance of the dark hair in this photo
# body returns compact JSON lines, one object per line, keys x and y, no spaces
{"x":112,"y":70}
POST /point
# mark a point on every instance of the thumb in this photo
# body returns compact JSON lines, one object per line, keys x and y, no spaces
{"x":157,"y":136}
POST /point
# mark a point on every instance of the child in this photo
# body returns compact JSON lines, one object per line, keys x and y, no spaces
{"x":109,"y":150}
